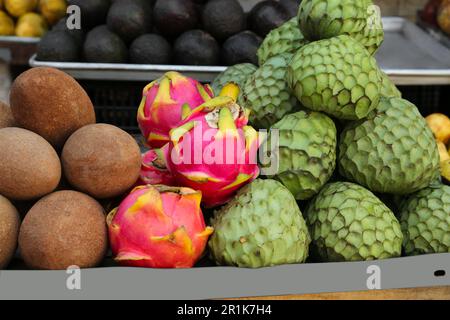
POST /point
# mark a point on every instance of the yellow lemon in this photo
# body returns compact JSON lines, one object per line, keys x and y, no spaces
{"x":443,"y":153}
{"x":53,"y":10}
{"x":445,"y":170}
{"x":440,"y":125}
{"x":31,"y":25}
{"x":17,"y":8}
{"x":6,"y":25}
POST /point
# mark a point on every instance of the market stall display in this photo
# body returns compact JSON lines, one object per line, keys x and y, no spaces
{"x":361,"y":175}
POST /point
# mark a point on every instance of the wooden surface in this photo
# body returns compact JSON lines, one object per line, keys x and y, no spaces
{"x":434,"y":293}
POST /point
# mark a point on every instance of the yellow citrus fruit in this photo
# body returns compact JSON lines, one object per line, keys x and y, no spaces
{"x":445,"y":170}
{"x":17,"y":8}
{"x":443,"y":16}
{"x":440,"y":125}
{"x":6,"y":25}
{"x":31,"y":25}
{"x":443,"y":153}
{"x":53,"y":10}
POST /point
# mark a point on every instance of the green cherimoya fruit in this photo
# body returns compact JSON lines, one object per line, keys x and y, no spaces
{"x":372,"y":35}
{"x":324,"y":19}
{"x":388,"y":88}
{"x":392,"y":151}
{"x":425,"y":221}
{"x":307,"y":152}
{"x":349,"y":223}
{"x":237,"y":74}
{"x":267,"y":94}
{"x":336,"y":76}
{"x":285,"y":39}
{"x":261,"y":227}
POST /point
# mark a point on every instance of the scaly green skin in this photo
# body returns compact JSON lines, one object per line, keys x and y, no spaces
{"x":285,"y":39}
{"x":425,"y":221}
{"x":389,"y":90}
{"x":261,"y":227}
{"x":237,"y":74}
{"x":372,"y":35}
{"x":267,"y":94}
{"x":392,"y":151}
{"x":336,"y":76}
{"x":349,"y":223}
{"x":307,"y":152}
{"x":324,"y":19}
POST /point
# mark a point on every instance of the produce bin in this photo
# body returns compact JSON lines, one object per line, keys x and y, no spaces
{"x":17,"y":51}
{"x":408,"y":55}
{"x":219,"y":282}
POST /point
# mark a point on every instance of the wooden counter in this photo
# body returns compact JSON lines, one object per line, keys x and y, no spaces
{"x":433,"y":293}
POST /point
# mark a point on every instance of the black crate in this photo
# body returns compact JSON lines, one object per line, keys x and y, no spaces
{"x":117,"y":102}
{"x":429,"y":99}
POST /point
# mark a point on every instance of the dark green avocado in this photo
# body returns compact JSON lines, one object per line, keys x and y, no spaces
{"x":130,"y":18}
{"x":104,"y":46}
{"x":241,"y":48}
{"x":174,"y":17}
{"x":196,"y":47}
{"x":60,"y":46}
{"x":290,"y":7}
{"x":266,"y":16}
{"x":77,"y":34}
{"x":93,"y":12}
{"x":150,"y":49}
{"x":223,"y":18}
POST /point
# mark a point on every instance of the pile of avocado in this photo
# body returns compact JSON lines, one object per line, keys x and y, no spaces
{"x":183,"y":32}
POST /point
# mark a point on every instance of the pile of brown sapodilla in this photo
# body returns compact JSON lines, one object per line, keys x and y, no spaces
{"x":51,"y":145}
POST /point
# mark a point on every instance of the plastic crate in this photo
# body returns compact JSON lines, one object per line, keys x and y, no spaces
{"x":117,"y":102}
{"x":429,"y":99}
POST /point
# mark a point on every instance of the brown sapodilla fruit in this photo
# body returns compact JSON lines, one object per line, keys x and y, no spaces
{"x":29,"y":166}
{"x":50,"y":103}
{"x":101,"y":160}
{"x":63,"y":229}
{"x":6,"y":117}
{"x":9,"y":231}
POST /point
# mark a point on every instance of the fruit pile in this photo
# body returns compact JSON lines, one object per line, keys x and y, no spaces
{"x":29,"y":18}
{"x":51,"y":146}
{"x":184,"y":32}
{"x":361,"y":161}
{"x":437,"y":13}
{"x":353,"y":172}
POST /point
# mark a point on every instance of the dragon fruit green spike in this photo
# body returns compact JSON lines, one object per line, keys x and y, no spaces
{"x":165,"y":104}
{"x":214,"y":150}
{"x":159,"y":227}
{"x":154,"y":170}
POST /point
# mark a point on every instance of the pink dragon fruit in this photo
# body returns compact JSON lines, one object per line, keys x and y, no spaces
{"x":159,"y":227}
{"x":154,"y":171}
{"x":165,"y":103}
{"x":214,"y":150}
